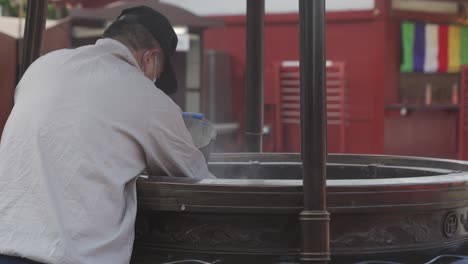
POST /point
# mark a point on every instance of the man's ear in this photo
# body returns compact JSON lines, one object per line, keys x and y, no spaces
{"x":145,"y":59}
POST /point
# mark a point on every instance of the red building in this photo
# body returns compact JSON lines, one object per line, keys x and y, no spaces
{"x":382,"y":117}
{"x":385,"y":112}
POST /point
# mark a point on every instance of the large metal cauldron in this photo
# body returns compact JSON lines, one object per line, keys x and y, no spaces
{"x":402,"y":209}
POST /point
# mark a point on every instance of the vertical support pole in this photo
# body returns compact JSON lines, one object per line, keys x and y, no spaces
{"x":35,"y":24}
{"x":254,"y":74}
{"x":314,"y":218}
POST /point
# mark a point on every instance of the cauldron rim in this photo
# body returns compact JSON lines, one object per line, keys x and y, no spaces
{"x":448,"y":171}
{"x":442,"y":179}
{"x":429,"y":162}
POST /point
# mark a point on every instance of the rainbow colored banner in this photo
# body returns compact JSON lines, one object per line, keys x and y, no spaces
{"x":433,"y":48}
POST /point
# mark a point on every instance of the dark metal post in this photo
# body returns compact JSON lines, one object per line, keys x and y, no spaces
{"x":314,"y":218}
{"x":254,"y":74}
{"x":32,"y":40}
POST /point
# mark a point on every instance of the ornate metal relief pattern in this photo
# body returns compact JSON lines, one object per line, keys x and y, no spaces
{"x":413,"y":229}
{"x":217,"y":234}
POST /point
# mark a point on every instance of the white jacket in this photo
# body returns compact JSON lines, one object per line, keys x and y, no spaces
{"x":85,"y":124}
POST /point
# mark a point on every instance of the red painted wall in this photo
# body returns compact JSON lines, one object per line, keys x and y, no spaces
{"x":7,"y":76}
{"x":357,"y":38}
{"x":422,"y":133}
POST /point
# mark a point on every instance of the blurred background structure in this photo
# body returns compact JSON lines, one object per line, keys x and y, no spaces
{"x":395,"y":76}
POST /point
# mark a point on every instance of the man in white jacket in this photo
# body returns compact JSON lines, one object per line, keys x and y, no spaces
{"x":86,"y":123}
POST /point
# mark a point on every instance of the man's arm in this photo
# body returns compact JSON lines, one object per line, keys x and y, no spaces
{"x":170,"y":149}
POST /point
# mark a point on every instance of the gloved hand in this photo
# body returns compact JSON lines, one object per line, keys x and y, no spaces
{"x":193,"y":115}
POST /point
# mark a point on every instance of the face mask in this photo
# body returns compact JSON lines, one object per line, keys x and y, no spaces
{"x":155,"y":76}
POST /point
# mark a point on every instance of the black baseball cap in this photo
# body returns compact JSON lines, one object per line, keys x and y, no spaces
{"x":161,"y":29}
